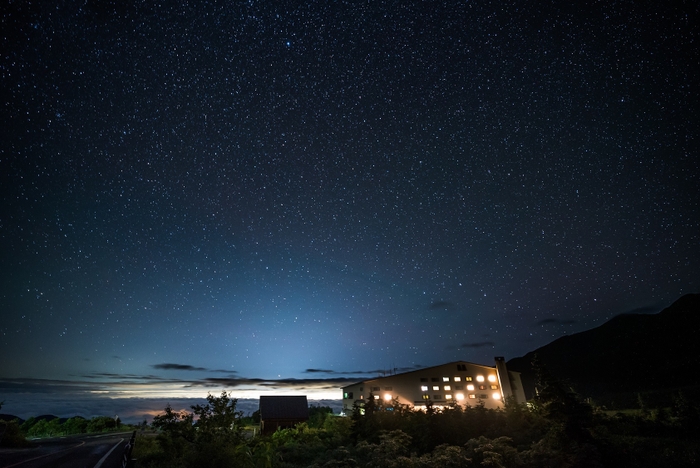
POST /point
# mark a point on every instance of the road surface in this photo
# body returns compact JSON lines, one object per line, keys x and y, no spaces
{"x":79,"y":451}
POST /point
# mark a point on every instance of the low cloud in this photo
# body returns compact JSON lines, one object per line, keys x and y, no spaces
{"x":478,"y":344}
{"x":170,"y":366}
{"x":363,"y":372}
{"x":553,"y":321}
{"x":644,"y":310}
{"x":440,"y":305}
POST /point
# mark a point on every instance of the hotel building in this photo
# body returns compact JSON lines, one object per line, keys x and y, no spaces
{"x":459,"y":382}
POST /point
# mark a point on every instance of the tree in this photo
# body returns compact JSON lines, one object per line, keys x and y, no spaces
{"x":219,"y":418}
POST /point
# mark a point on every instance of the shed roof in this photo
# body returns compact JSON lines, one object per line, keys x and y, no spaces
{"x":284,"y":407}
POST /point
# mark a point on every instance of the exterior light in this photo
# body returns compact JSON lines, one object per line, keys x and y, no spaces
{"x":387,"y":397}
{"x":496,"y":395}
{"x":470,"y":387}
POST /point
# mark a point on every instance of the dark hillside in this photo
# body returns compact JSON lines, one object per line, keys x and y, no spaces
{"x":630,"y":354}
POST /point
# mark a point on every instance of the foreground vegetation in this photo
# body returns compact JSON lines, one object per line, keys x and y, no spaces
{"x":557,"y":430}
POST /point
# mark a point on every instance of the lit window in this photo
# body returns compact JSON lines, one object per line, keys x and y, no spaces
{"x":470,"y":387}
{"x":426,"y":397}
{"x":492,"y":378}
{"x":460,"y":396}
{"x":362,"y":397}
{"x":468,"y":379}
{"x":458,"y":379}
{"x":347,"y":395}
{"x":448,"y":397}
{"x":423,"y":388}
{"x":436,"y":387}
{"x":445,"y":379}
{"x":472,"y":396}
{"x":496,"y":395}
{"x":494,"y":387}
{"x":376,"y":397}
{"x":479,"y":378}
{"x":387,"y":396}
{"x":482,"y":387}
{"x":447,"y":387}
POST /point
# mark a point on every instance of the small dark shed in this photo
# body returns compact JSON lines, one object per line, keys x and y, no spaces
{"x":282,"y":412}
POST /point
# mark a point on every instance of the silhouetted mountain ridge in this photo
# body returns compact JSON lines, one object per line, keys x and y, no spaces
{"x":631,"y":353}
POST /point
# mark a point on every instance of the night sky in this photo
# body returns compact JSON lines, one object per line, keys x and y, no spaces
{"x":263,"y":197}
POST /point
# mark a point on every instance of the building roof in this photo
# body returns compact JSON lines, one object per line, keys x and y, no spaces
{"x":284,"y":407}
{"x":422,"y":369}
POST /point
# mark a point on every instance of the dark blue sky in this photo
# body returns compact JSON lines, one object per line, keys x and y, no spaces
{"x":224,"y":195}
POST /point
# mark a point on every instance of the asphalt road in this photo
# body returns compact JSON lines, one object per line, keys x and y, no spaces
{"x":81,"y":451}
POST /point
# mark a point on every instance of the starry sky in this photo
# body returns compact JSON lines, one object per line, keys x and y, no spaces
{"x":287,"y":196}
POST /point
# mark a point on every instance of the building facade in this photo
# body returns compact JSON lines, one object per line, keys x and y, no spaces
{"x":459,"y":382}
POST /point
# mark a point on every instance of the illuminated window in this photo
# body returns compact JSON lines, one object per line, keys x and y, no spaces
{"x":387,"y":396}
{"x":362,"y":397}
{"x":376,"y":397}
{"x":468,"y":379}
{"x":460,"y":396}
{"x":496,"y":395}
{"x":436,"y":387}
{"x":347,"y":395}
{"x":447,"y":387}
{"x":458,"y":379}
{"x":479,"y":378}
{"x":470,"y":387}
{"x":445,"y":379}
{"x":423,"y":388}
{"x":472,"y":396}
{"x":426,"y":397}
{"x":482,"y":387}
{"x":492,"y":378}
{"x":494,"y":387}
{"x":448,"y":397}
